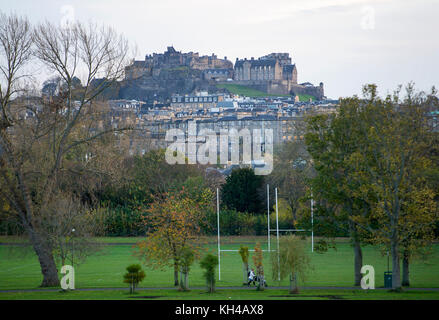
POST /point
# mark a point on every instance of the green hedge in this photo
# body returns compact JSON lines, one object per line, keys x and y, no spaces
{"x":123,"y":221}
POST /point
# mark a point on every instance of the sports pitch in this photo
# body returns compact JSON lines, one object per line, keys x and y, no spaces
{"x":19,"y":269}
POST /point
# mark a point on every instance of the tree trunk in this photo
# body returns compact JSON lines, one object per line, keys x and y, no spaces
{"x":185,"y":281}
{"x":245,"y":273}
{"x":47,"y":262}
{"x":405,"y":269}
{"x":293,"y":284}
{"x":396,"y":273}
{"x":181,"y":283}
{"x":358,"y":254}
{"x":358,"y":262}
{"x":175,"y":274}
{"x":261,"y":283}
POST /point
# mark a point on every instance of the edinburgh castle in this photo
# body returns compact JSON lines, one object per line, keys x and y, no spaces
{"x":161,"y":75}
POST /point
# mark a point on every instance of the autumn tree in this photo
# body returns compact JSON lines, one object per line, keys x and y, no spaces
{"x":392,"y":165}
{"x":332,"y":139}
{"x":39,"y":135}
{"x":175,"y":224}
{"x":258,"y":258}
{"x":371,"y":161}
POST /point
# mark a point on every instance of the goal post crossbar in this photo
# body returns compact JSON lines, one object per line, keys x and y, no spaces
{"x":288,"y":230}
{"x":231,"y":250}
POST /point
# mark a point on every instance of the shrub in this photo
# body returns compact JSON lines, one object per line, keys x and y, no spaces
{"x":134,"y":276}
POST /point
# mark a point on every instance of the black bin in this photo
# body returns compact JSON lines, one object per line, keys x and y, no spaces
{"x":388,"y":279}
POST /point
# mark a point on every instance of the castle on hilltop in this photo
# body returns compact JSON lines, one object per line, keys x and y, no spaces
{"x":163,"y":74}
{"x":171,"y":58}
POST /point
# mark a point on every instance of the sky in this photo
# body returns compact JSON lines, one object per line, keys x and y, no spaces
{"x":342,"y":43}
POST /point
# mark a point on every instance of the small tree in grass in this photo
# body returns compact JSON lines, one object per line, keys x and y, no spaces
{"x":134,"y":276}
{"x":258,"y":261}
{"x":175,"y":222}
{"x":243,"y":252}
{"x":209,"y":264}
{"x":293,"y":261}
{"x":186,"y":260}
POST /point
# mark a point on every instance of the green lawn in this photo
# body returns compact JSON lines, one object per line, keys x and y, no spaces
{"x":246,"y":91}
{"x":19,"y":268}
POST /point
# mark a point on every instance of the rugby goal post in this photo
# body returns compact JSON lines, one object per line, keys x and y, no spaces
{"x":269,"y":230}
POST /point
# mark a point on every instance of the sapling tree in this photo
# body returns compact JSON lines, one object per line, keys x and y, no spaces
{"x":292,"y":262}
{"x":186,"y":260}
{"x":258,"y":261}
{"x":243,"y":252}
{"x":209,"y":264}
{"x":175,"y":223}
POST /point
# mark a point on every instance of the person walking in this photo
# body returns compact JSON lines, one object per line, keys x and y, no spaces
{"x":251,"y":277}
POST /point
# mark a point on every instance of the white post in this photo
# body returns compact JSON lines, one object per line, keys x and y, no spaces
{"x":268,"y":216}
{"x":219,"y":245}
{"x":312,"y":223}
{"x":277,"y":236}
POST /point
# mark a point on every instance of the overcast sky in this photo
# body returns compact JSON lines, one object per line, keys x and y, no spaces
{"x":343,"y":43}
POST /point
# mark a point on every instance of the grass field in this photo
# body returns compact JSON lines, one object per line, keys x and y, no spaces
{"x":250,"y":92}
{"x":19,"y":268}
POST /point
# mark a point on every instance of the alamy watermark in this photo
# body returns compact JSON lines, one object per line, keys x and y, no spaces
{"x":68,"y":16}
{"x":368,"y":18}
{"x":368,"y":279}
{"x":230,"y":147}
{"x":68,"y":281}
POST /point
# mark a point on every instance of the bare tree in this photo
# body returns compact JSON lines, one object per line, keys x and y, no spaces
{"x":44,"y":141}
{"x":15,"y":53}
{"x":71,"y":226}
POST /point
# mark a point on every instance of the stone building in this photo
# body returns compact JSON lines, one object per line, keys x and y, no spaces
{"x":194,"y":102}
{"x":273,"y":73}
{"x":275,"y":66}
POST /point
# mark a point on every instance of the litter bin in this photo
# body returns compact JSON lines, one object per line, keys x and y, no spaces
{"x":388,"y":279}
